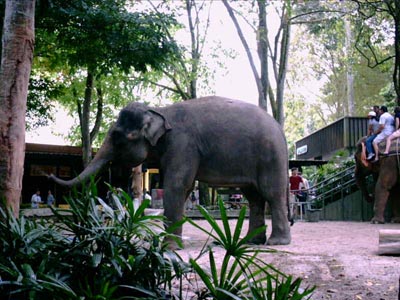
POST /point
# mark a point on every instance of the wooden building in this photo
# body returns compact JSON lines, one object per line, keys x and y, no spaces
{"x":322,"y":144}
{"x":65,"y":162}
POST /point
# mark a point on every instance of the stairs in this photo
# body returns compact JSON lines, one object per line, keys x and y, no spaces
{"x":340,"y":198}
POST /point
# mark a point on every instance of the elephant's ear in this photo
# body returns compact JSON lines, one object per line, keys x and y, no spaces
{"x":154,"y":126}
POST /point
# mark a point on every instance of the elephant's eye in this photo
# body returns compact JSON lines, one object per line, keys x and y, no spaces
{"x":133,"y":135}
{"x":117,"y":136}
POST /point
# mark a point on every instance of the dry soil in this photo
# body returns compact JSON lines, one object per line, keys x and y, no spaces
{"x":340,"y":258}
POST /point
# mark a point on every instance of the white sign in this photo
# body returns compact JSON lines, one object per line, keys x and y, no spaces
{"x":301,"y":150}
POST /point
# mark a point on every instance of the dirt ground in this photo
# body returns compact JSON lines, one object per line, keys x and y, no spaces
{"x":340,"y":258}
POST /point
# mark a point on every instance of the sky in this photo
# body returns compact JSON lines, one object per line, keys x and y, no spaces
{"x":236,"y":82}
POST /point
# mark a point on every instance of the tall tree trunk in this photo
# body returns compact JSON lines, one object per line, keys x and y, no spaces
{"x":349,"y":71}
{"x":204,"y":195}
{"x":262,"y":102}
{"x":262,"y":47}
{"x":16,"y":63}
{"x":84,"y":120}
{"x":283,"y":62}
{"x":87,"y":135}
{"x":195,"y":55}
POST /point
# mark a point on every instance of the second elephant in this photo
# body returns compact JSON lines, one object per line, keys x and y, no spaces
{"x":386,"y":173}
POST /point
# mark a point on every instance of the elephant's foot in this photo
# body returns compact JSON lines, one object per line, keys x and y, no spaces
{"x":258,"y":240}
{"x":376,"y":220}
{"x":395,"y":220}
{"x":276,"y":240}
{"x":174,"y":243}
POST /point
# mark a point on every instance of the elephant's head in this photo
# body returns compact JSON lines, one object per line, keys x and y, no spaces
{"x":363,"y":169}
{"x":128,"y":141}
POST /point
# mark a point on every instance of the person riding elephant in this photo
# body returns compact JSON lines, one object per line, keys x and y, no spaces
{"x":197,"y":140}
{"x":386,"y":174}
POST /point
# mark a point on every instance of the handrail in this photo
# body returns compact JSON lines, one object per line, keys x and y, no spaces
{"x":338,"y":183}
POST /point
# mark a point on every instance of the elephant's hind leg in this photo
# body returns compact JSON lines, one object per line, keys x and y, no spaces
{"x":257,"y":214}
{"x":280,"y":234}
{"x":278,"y":202}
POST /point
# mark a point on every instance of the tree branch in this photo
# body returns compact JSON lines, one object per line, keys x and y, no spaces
{"x":246,"y":47}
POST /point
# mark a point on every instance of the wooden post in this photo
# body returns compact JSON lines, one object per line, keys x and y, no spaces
{"x":389,"y":241}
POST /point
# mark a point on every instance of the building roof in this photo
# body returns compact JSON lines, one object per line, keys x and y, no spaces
{"x":52,"y":149}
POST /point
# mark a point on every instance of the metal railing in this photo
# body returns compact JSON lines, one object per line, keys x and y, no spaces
{"x":333,"y":188}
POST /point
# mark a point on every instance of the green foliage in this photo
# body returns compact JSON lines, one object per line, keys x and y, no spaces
{"x":99,"y":252}
{"x":330,"y":60}
{"x":243,"y":274}
{"x":77,"y":40}
{"x":88,"y":253}
{"x":42,"y":90}
{"x":102,"y":35}
{"x":338,"y":163}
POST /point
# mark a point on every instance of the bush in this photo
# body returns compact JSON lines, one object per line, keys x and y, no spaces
{"x":242,"y":274}
{"x":97,"y":252}
{"x":91,"y":254}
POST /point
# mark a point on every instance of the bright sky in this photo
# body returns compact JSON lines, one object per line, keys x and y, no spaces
{"x":238,"y":83}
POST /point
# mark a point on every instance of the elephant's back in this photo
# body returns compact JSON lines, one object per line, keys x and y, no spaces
{"x":221,"y":111}
{"x":217,"y":122}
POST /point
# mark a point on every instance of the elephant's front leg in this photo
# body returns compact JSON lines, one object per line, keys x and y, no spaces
{"x":382,"y":188}
{"x":177,"y":184}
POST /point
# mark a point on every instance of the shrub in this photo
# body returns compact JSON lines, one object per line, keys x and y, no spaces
{"x":242,"y":274}
{"x":88,"y":254}
{"x":98,"y":252}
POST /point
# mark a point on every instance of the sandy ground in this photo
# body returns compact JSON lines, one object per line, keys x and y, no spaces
{"x":340,"y":258}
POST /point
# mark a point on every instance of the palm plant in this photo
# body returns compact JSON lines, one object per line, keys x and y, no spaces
{"x":93,"y":251}
{"x":242,"y":274}
{"x":87,"y":253}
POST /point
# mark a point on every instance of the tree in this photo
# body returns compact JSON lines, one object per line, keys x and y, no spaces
{"x":349,"y":87}
{"x":269,"y":87}
{"x":93,"y":39}
{"x":380,"y":21}
{"x":180,"y":79}
{"x":16,"y":62}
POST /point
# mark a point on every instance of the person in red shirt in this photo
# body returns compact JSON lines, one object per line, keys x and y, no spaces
{"x":295,"y":187}
{"x":295,"y":181}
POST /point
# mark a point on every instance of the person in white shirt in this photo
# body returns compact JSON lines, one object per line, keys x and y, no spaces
{"x":36,"y":199}
{"x":305,"y":185}
{"x":386,"y":128}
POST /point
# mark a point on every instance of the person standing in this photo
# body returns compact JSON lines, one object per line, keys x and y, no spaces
{"x":36,"y":199}
{"x":386,"y":128}
{"x":50,"y":199}
{"x":295,"y":181}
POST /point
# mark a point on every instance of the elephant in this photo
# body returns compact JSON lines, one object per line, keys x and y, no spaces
{"x":387,"y":181}
{"x":216,"y":140}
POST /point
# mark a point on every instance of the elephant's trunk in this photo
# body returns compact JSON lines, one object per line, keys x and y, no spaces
{"x":102,"y":157}
{"x":362,"y":184}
